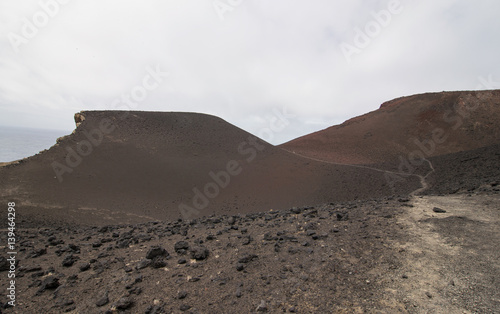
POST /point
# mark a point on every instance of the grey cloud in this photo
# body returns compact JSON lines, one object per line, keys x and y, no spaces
{"x":262,"y":55}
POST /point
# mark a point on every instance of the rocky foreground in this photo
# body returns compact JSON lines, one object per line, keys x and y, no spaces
{"x":394,"y":254}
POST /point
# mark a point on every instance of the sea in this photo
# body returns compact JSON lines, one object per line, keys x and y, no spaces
{"x":18,"y":143}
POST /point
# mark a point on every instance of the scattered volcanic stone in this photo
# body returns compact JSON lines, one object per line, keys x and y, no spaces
{"x":135,"y":290}
{"x":319,"y":236}
{"x":72,"y":278}
{"x":194,"y":279}
{"x":156,"y":251}
{"x":31,"y":269}
{"x":66,"y":302}
{"x":73,"y":247}
{"x":155,"y":309}
{"x":124,"y":303}
{"x":262,"y":306}
{"x":123,"y":243}
{"x":438,"y":210}
{"x":185,"y":307}
{"x":106,"y":240}
{"x":181,"y":247}
{"x":311,"y":226}
{"x":69,"y":260}
{"x":182,"y":261}
{"x":182,"y":295}
{"x":137,"y":279}
{"x":4,"y":264}
{"x":240,"y":267}
{"x":342,"y":216}
{"x":246,"y":240}
{"x":102,"y":299}
{"x":247,"y":258}
{"x":53,"y":241}
{"x":84,"y":266}
{"x":143,"y":264}
{"x":49,"y":283}
{"x":102,"y":255}
{"x":296,"y":210}
{"x":38,"y":252}
{"x":159,"y":262}
{"x":199,"y":253}
{"x":269,"y":237}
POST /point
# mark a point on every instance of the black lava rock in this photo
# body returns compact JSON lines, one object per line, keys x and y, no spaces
{"x":240,"y":267}
{"x":246,"y":240}
{"x":143,"y":264}
{"x":199,"y":253}
{"x":53,"y":241}
{"x":159,"y":262}
{"x":438,"y":210}
{"x":102,"y":299}
{"x":4,"y":264}
{"x":185,"y":307}
{"x":124,"y":303}
{"x":296,"y":210}
{"x":84,"y":266}
{"x":156,"y":251}
{"x":262,"y":307}
{"x":247,"y":258}
{"x":38,"y":252}
{"x":182,"y":295}
{"x":69,"y":260}
{"x":49,"y":283}
{"x":181,"y":247}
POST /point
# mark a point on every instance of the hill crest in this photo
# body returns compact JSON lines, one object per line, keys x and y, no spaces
{"x":461,"y":121}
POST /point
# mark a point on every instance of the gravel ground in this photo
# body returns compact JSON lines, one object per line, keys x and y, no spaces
{"x":385,"y":255}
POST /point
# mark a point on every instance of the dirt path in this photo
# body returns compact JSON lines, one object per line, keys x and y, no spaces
{"x":452,"y":259}
{"x":423,"y":179}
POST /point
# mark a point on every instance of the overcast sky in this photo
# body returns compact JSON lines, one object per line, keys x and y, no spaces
{"x":321,"y":61}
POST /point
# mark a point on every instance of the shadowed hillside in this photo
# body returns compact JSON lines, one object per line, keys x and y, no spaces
{"x":137,"y":166}
{"x":412,"y":127}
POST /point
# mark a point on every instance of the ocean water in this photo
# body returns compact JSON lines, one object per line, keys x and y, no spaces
{"x":18,"y":143}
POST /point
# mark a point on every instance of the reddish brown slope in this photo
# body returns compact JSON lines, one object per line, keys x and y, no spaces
{"x":428,"y":124}
{"x":150,"y":164}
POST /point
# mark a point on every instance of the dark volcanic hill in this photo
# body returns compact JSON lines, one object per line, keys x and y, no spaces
{"x":120,"y":167}
{"x":83,"y":239}
{"x":426,"y":125}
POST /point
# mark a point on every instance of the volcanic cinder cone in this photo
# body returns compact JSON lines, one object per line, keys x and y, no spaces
{"x":122,"y":167}
{"x":427,"y":125}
